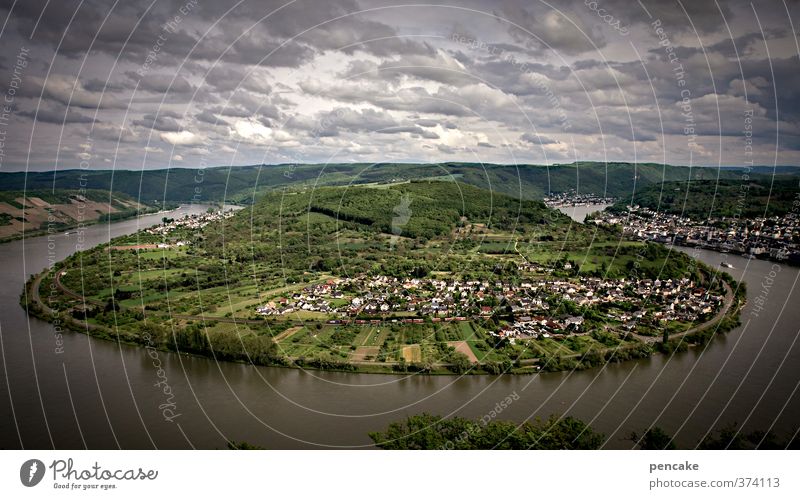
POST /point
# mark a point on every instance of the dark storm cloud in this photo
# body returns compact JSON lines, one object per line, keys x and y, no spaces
{"x":724,"y":68}
{"x":98,"y":85}
{"x":210,"y":118}
{"x":254,"y":47}
{"x":162,"y":83}
{"x":330,"y":25}
{"x":111,"y":132}
{"x":226,"y":77}
{"x":703,"y":15}
{"x":131,"y":31}
{"x":231,"y":111}
{"x":255,"y":103}
{"x":439,"y":67}
{"x":380,"y":81}
{"x":346,"y":119}
{"x":538,"y":139}
{"x":427,"y":123}
{"x":734,"y":48}
{"x":76,"y":26}
{"x":161,"y":123}
{"x":68,"y":91}
{"x":463,"y":101}
{"x":57,"y":114}
{"x":541,"y":28}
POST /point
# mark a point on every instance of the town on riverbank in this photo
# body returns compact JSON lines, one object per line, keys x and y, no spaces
{"x":774,"y":238}
{"x":537,"y":308}
{"x":571,"y":198}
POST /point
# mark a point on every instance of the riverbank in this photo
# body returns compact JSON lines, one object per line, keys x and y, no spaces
{"x":66,"y":228}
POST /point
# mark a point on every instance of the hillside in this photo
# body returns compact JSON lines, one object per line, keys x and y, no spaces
{"x":617,"y":180}
{"x":39,"y":210}
{"x":241,"y":183}
{"x":353,"y":228}
{"x":176,"y":185}
{"x":703,"y":199}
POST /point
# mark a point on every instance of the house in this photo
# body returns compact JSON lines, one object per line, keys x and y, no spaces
{"x":576,"y":321}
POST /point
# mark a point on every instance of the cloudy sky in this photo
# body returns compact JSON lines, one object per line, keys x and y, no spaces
{"x":189,"y":83}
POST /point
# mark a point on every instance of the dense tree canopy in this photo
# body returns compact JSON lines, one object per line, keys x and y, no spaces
{"x":425,"y":431}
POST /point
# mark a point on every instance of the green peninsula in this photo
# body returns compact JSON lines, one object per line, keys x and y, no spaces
{"x":422,"y":276}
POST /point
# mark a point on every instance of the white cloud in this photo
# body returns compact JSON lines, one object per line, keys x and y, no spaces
{"x":257,"y":133}
{"x":182,"y":138}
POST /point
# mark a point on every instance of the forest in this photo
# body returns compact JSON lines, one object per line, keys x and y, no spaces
{"x":244,"y":184}
{"x":704,"y":199}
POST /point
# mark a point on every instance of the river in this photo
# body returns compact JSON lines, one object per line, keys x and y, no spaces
{"x":579,"y":213}
{"x":100,"y":394}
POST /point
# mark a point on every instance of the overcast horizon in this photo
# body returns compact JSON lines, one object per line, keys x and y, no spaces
{"x":191,"y":83}
{"x":267,"y":165}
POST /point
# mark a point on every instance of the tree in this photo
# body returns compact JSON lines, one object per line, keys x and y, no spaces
{"x":111,"y":305}
{"x":426,"y":431}
{"x":459,"y":363}
{"x":653,"y":438}
{"x":732,"y":438}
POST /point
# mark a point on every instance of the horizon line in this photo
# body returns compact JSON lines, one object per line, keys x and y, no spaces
{"x":379,"y":163}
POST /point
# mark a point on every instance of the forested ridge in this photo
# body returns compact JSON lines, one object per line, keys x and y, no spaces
{"x":243,"y":184}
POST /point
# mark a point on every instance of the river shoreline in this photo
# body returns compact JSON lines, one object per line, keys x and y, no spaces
{"x":66,"y":229}
{"x":725,"y":319}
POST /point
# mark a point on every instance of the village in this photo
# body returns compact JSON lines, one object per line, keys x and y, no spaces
{"x":527,"y":309}
{"x":169,"y":226}
{"x":190,"y":221}
{"x":772,"y":238}
{"x":571,"y":198}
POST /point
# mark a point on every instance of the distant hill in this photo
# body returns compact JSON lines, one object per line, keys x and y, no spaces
{"x":701,"y":199}
{"x":38,"y":210}
{"x":241,"y":183}
{"x":618,"y":180}
{"x":181,"y":185}
{"x":767,"y":170}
